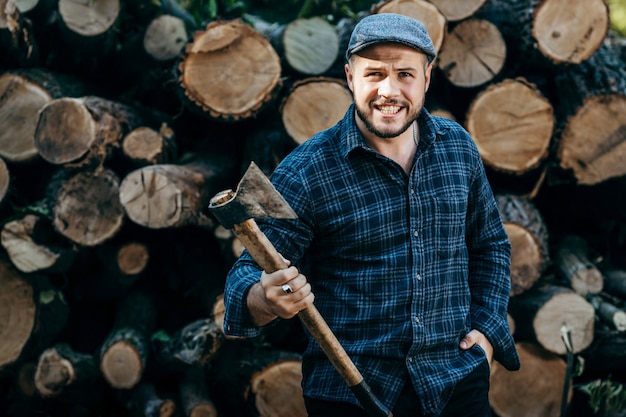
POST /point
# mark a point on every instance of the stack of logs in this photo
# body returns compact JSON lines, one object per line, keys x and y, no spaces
{"x":120,"y":122}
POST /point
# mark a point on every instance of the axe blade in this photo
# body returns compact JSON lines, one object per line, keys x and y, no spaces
{"x":256,"y":197}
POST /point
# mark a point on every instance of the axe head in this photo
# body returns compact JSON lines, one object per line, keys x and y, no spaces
{"x":255,"y":197}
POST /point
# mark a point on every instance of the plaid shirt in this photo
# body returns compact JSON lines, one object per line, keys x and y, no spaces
{"x":402,"y":267}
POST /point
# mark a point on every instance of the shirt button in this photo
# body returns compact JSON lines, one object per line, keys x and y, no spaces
{"x":417,"y":319}
{"x":412,"y":191}
{"x":419,"y":277}
{"x":410,"y":359}
{"x":415,"y":233}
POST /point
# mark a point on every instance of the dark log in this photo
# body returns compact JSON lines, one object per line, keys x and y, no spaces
{"x":229,"y":71}
{"x":193,"y":345}
{"x":254,"y":381}
{"x":125,"y":350}
{"x":424,"y":11}
{"x":455,"y":10}
{"x":473,"y":54}
{"x":613,"y":315}
{"x":307,"y":46}
{"x":86,"y":206}
{"x":528,"y":235}
{"x":540,"y":313}
{"x":606,"y":353}
{"x":33,"y":245}
{"x":574,"y":265}
{"x":145,"y":146}
{"x":83,"y":132}
{"x":62,"y":370}
{"x":591,"y":109}
{"x":615,"y":282}
{"x":512,"y":124}
{"x":230,"y":245}
{"x":18,"y":43}
{"x":535,"y":390}
{"x":312,"y":105}
{"x":194,"y":396}
{"x":168,"y":195}
{"x":146,"y":402}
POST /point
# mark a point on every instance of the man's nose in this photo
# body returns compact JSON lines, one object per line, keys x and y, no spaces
{"x":387,"y":88}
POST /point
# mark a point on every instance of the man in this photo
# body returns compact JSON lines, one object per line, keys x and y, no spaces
{"x":398,"y":237}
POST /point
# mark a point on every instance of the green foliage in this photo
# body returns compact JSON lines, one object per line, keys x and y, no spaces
{"x":605,"y":396}
{"x":617,"y":9}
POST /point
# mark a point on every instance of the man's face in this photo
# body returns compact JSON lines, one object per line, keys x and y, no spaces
{"x":388,"y":83}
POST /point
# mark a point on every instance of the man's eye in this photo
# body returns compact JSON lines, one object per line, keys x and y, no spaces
{"x":405,"y":74}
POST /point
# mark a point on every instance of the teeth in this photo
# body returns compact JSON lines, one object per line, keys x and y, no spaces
{"x":389,"y":109}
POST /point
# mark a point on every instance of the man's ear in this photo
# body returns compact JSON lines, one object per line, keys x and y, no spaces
{"x":427,"y":74}
{"x":348,"y":72}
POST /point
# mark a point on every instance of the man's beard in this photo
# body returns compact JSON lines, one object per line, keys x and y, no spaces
{"x":370,"y":127}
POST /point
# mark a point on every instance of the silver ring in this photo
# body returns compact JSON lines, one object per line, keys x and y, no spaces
{"x":287,"y":289}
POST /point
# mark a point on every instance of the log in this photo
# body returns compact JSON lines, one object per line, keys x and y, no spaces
{"x":85,"y":206}
{"x":33,"y":245}
{"x":125,"y":350}
{"x":512,"y":124}
{"x":613,"y":315}
{"x":312,"y":105}
{"x":229,"y":71}
{"x":592,"y":143}
{"x":540,"y":312}
{"x":83,"y":132}
{"x":424,"y":11}
{"x":253,"y":381}
{"x":615,"y":281}
{"x":573,"y":263}
{"x":60,"y":369}
{"x":146,"y":402}
{"x":18,"y":45}
{"x":455,"y":10}
{"x":528,"y":235}
{"x":194,"y":396}
{"x":146,"y":146}
{"x":535,"y":390}
{"x":5,"y":181}
{"x":307,"y":46}
{"x":174,"y":195}
{"x":473,"y":54}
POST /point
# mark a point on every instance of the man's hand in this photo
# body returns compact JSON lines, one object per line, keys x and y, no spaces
{"x":268,"y":299}
{"x":476,"y":337}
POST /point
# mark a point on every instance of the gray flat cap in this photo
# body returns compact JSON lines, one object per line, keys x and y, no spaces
{"x":390,"y":27}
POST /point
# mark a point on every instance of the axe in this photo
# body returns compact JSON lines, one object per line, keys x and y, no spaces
{"x":256,"y":197}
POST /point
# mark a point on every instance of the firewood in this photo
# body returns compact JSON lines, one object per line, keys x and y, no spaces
{"x":591,"y":109}
{"x":145,"y":146}
{"x":424,"y":11}
{"x":253,"y":381}
{"x":86,"y":207}
{"x":33,"y":245}
{"x":18,"y":313}
{"x":615,"y":281}
{"x":312,"y":105}
{"x":194,"y":396}
{"x":18,"y":45}
{"x":229,"y":71}
{"x":5,"y":180}
{"x":174,"y":195}
{"x":61,"y":369}
{"x":610,"y":313}
{"x":83,"y":132}
{"x":540,"y":312}
{"x":573,"y":262}
{"x":473,"y":54}
{"x":193,"y":345}
{"x":535,"y":390}
{"x":528,"y":235}
{"x":230,"y":245}
{"x":606,"y":353}
{"x":548,"y":36}
{"x":146,"y":402}
{"x":125,"y":350}
{"x":455,"y":10}
{"x":512,"y":124}
{"x":307,"y":46}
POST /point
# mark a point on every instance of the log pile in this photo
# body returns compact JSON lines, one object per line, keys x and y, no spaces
{"x":120,"y":121}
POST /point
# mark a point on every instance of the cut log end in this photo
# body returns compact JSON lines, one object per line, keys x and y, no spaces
{"x":311,"y":46}
{"x":526,"y":258}
{"x":276,"y":389}
{"x":121,"y":365}
{"x":53,"y":373}
{"x":165,"y":37}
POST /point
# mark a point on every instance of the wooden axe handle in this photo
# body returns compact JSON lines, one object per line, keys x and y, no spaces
{"x":268,"y":258}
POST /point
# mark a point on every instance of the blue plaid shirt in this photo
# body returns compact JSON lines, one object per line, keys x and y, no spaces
{"x":402,"y":267}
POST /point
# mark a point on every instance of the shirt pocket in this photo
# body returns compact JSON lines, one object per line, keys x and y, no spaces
{"x":450,"y":225}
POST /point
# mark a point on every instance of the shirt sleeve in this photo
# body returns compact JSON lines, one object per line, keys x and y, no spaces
{"x":489,"y":270}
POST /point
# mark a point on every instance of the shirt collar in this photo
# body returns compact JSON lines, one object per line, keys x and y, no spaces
{"x":429,"y":129}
